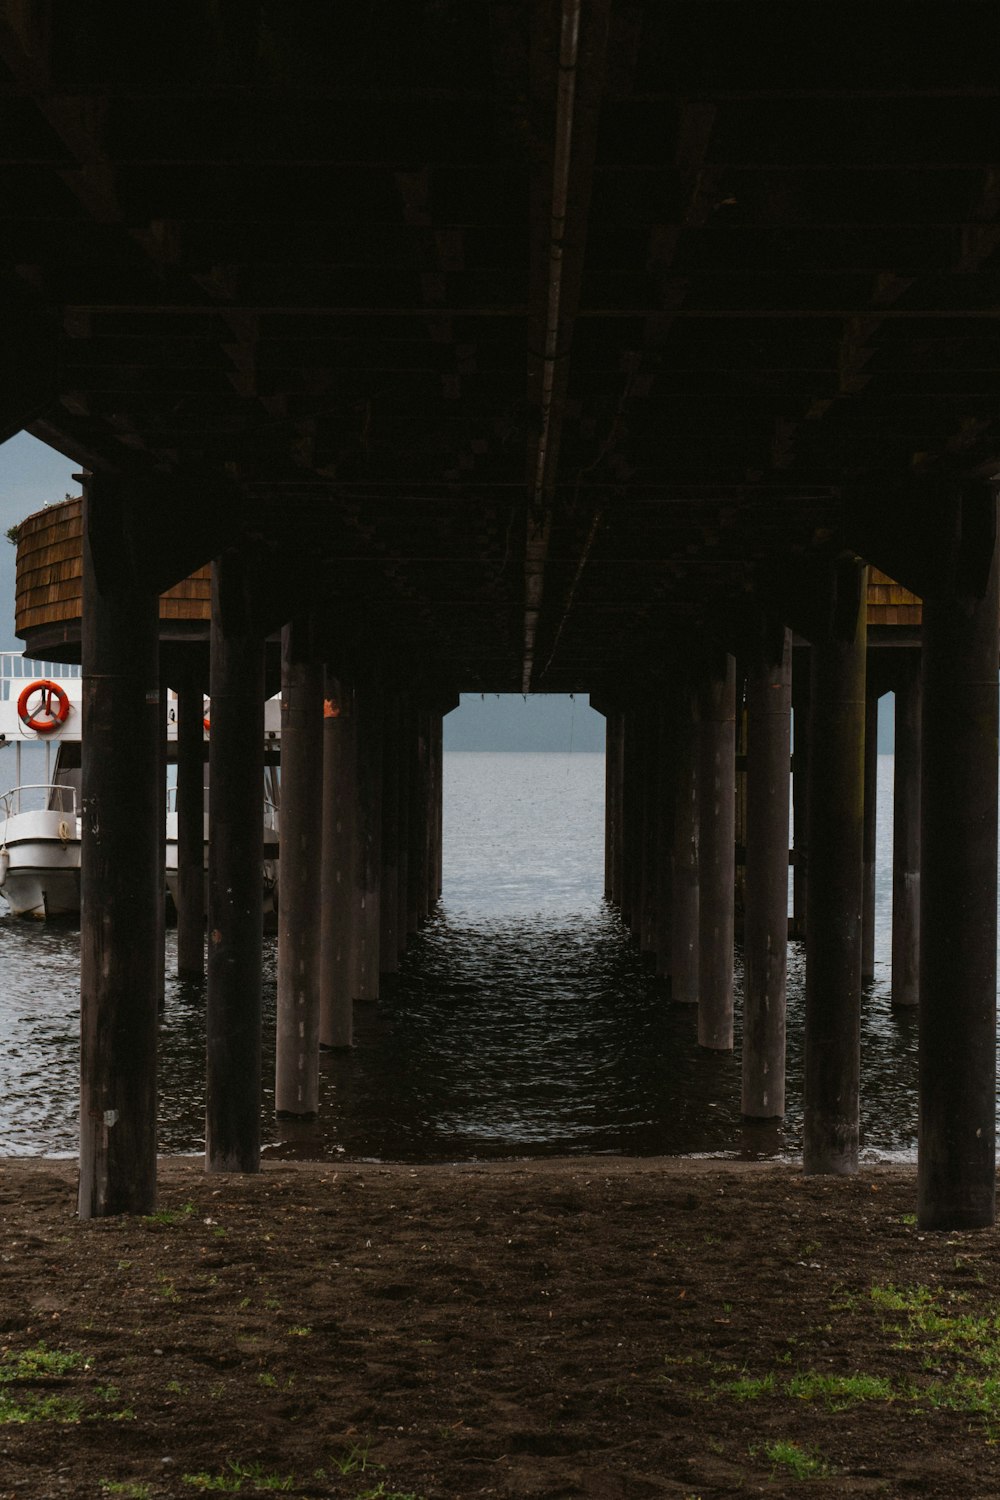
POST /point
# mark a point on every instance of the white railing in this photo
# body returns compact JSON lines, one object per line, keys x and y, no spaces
{"x":15,"y":670}
{"x":56,"y":797}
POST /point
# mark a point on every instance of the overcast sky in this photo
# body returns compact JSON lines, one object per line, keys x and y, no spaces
{"x":32,"y":475}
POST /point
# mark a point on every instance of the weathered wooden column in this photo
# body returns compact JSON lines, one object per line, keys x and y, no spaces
{"x":801,"y":690}
{"x":368,"y":701}
{"x":662,"y":932}
{"x":190,"y":831}
{"x":616,"y":754}
{"x":649,"y":793}
{"x":404,"y":818}
{"x":871,"y":826}
{"x":765,"y":936}
{"x":439,"y":798}
{"x":833,"y":920}
{"x":430,"y":797}
{"x":436,"y":809}
{"x":630,"y":824}
{"x":717,"y":780}
{"x":906,"y":832}
{"x":610,"y":800}
{"x":417,"y":863}
{"x":296,"y":1083}
{"x":389,"y":886}
{"x":410,"y":824}
{"x":685,"y":899}
{"x":956,"y":1157}
{"x":120,"y":874}
{"x":235,"y":873}
{"x":161,"y":858}
{"x":339,"y":904}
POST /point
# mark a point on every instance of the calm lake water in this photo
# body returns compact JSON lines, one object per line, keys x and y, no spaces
{"x":522,"y":1022}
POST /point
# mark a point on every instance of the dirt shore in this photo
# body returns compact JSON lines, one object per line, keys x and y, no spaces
{"x":586,"y":1327}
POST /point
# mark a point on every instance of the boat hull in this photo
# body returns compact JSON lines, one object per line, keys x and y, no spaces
{"x":40,"y":865}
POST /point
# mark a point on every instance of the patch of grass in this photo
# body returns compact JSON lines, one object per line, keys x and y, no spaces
{"x":237,"y":1477}
{"x":128,"y":1489}
{"x":38,"y":1363}
{"x":750,"y":1387}
{"x":300,"y":1331}
{"x":839,"y":1392}
{"x":354,"y":1461}
{"x":799,"y":1462}
{"x":32,"y":1407}
{"x":166,"y":1218}
{"x":938,"y":1320}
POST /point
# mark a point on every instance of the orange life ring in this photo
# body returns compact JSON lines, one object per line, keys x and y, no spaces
{"x":48,"y":715}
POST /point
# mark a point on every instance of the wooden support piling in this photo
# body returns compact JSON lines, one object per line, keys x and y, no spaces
{"x":801,"y":689}
{"x":368,"y":701}
{"x":870,"y":830}
{"x":665,"y":773}
{"x":717,"y":891}
{"x":296,"y":1089}
{"x":161,"y":857}
{"x":416,"y":864}
{"x":765,"y":942}
{"x":833,"y":923}
{"x":610,"y":801}
{"x":649,"y":851}
{"x":120,"y":870}
{"x":389,"y":887}
{"x":235,"y":873}
{"x":339,"y":906}
{"x":190,"y":832}
{"x":685,"y":892}
{"x":404,"y":816}
{"x":437,"y":820}
{"x":906,"y":833}
{"x":631,"y":819}
{"x":956,"y":1154}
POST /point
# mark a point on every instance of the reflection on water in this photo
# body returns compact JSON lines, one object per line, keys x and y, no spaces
{"x":522,"y":1022}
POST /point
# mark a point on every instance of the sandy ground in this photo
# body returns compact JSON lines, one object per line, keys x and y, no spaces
{"x":583,"y":1327}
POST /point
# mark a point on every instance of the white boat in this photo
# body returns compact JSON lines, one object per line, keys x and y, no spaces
{"x":40,"y":732}
{"x":270,"y":876}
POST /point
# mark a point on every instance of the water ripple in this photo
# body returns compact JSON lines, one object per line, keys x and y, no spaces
{"x":522,"y":1022}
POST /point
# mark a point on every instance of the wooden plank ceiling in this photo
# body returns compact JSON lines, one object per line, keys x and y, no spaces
{"x":536,"y":342}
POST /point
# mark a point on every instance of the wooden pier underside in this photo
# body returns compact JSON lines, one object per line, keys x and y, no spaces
{"x":288,"y":270}
{"x":538,"y":345}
